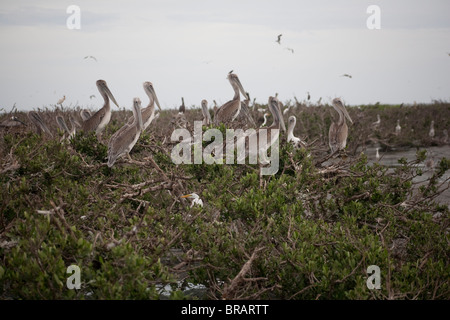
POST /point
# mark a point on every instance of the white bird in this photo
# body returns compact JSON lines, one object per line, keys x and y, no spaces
{"x":265,"y":119}
{"x":431,"y":133}
{"x":196,"y":199}
{"x":398,"y":129}
{"x":60,"y":101}
{"x":377,"y":123}
{"x":297,"y":142}
{"x":377,"y":155}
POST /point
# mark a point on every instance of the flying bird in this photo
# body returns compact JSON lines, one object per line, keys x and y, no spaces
{"x":279,"y":39}
{"x":290,"y":49}
{"x":346,"y":75}
{"x":92,"y":57}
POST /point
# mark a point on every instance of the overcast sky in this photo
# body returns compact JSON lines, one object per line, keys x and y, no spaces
{"x":187,"y":47}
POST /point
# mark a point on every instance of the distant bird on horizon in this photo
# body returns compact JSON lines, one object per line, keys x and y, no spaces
{"x":346,"y":75}
{"x":92,"y":57}
{"x":398,"y":129}
{"x":92,"y":96}
{"x":279,"y":39}
{"x":431,"y":133}
{"x":60,"y":101}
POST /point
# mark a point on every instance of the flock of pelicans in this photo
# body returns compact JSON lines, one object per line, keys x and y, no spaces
{"x":123,"y":140}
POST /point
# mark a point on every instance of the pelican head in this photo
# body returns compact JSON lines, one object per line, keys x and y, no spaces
{"x":137,"y":113}
{"x":106,"y":93}
{"x":236,"y":84}
{"x":275,"y":110}
{"x":148,"y":87}
{"x":205,"y":111}
{"x":338,"y":105}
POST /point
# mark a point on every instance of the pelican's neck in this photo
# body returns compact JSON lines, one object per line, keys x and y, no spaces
{"x":236,"y":91}
{"x":106,"y":105}
{"x":341,"y":115}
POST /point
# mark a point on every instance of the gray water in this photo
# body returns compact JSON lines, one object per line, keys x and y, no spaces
{"x":435,"y":154}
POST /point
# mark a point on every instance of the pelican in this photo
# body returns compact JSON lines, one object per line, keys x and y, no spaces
{"x":376,"y":124}
{"x":297,"y":142}
{"x":12,"y":122}
{"x":338,"y":132}
{"x":195,"y":199}
{"x":85,"y":114}
{"x":182,"y":108}
{"x":431,"y":133}
{"x":60,"y":101}
{"x":206,"y":116}
{"x":273,"y":132}
{"x":265,"y":119}
{"x":245,"y":109}
{"x":398,"y":129}
{"x":99,"y":120}
{"x":63,"y":126}
{"x":36,"y":119}
{"x":148,"y":113}
{"x":230,"y":110}
{"x":124,"y":139}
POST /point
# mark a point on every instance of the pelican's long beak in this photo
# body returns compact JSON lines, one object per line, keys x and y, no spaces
{"x":275,"y":108}
{"x":75,"y":122}
{"x":344,"y":110}
{"x":110,"y":95}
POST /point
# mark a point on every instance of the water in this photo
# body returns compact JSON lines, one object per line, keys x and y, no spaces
{"x":390,"y":159}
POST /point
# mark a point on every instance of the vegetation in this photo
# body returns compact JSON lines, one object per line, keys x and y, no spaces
{"x":308,"y":232}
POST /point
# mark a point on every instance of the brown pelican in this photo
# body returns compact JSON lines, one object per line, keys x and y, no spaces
{"x":398,"y":129}
{"x":85,"y":114}
{"x":230,"y":110}
{"x":36,"y":119}
{"x":124,"y":139}
{"x":246,"y":111}
{"x":206,"y":116}
{"x":195,"y":199}
{"x":338,"y":132}
{"x":63,"y":126}
{"x":297,"y":142}
{"x":431,"y":133}
{"x":12,"y":122}
{"x":182,"y":108}
{"x":272,"y":135}
{"x":148,"y":113}
{"x":99,"y":120}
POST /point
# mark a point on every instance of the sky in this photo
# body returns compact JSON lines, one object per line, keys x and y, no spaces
{"x":187,"y":47}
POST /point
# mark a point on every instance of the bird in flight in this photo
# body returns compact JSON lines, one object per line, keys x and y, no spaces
{"x":279,"y":39}
{"x":346,"y":75}
{"x":290,"y":49}
{"x":92,"y":57}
